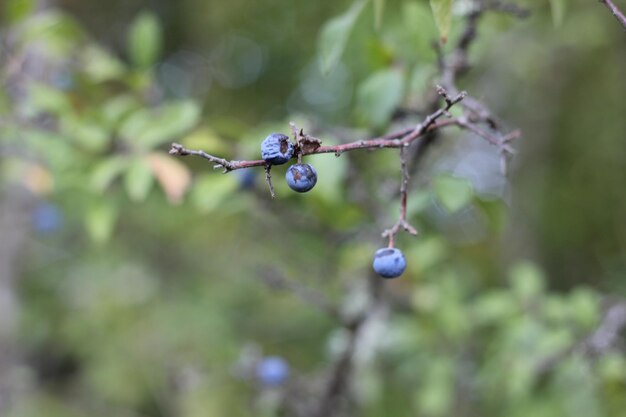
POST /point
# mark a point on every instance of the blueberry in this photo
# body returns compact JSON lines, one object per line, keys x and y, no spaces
{"x":389,"y":262}
{"x":272,"y":370}
{"x":301,"y":177}
{"x":47,"y":218}
{"x":276,"y":149}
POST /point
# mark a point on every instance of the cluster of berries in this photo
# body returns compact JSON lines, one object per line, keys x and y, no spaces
{"x":276,"y":149}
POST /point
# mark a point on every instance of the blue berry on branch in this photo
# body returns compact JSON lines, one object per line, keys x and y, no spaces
{"x":301,"y":177}
{"x":276,"y":149}
{"x":389,"y":262}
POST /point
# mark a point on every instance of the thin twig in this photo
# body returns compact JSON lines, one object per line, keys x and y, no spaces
{"x":616,"y":11}
{"x":268,"y":179}
{"x":402,"y":222}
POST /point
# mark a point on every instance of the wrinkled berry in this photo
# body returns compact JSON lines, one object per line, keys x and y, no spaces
{"x":389,"y":262}
{"x":276,"y":149}
{"x":272,"y":370}
{"x":301,"y":177}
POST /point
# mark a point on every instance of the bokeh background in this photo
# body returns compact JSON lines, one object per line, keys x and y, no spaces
{"x":133,"y":283}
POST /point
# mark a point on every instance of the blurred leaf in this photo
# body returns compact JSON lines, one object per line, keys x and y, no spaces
{"x":57,"y":33}
{"x":100,"y":220}
{"x":330,"y":176}
{"x":558,"y":11}
{"x":612,"y":366}
{"x":118,"y":107}
{"x":99,"y":65}
{"x":149,"y":128}
{"x":144,"y":40}
{"x":106,"y":171}
{"x":87,"y":133}
{"x":442,"y":11}
{"x":138,"y":179}
{"x":494,"y":307}
{"x":417,"y":202}
{"x":210,"y":191}
{"x":17,"y":10}
{"x":207,"y":140}
{"x":420,"y":29}
{"x":428,"y":252}
{"x":379,"y":95}
{"x":173,"y":176}
{"x":48,"y":99}
{"x":496,"y":212}
{"x":585,"y":307}
{"x":453,"y":192}
{"x":555,"y":309}
{"x":421,"y":80}
{"x":379,"y":8}
{"x":435,"y":395}
{"x":579,"y":388}
{"x":527,"y":280}
{"x":334,"y":36}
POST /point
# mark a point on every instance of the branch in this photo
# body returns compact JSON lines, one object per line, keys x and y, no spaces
{"x":599,"y":342}
{"x":308,"y":295}
{"x":616,"y":12}
{"x":394,"y":140}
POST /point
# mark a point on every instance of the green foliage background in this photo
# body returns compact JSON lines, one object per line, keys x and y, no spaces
{"x":148,"y":298}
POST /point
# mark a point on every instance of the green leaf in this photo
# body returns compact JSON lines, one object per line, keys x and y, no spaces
{"x":56,"y":33}
{"x":429,"y":252}
{"x":331,"y":174}
{"x":106,"y":172}
{"x":138,"y":179}
{"x":379,"y":7}
{"x":100,"y":220}
{"x":17,"y":10}
{"x":379,"y":95}
{"x":452,"y":192}
{"x":144,"y":40}
{"x":585,"y":307}
{"x":494,"y":307}
{"x":527,"y":280}
{"x":442,"y":12}
{"x":334,"y":36}
{"x":211,"y":190}
{"x":558,"y":11}
{"x":86,"y":132}
{"x":148,"y":128}
{"x":48,"y":99}
{"x":100,"y":65}
{"x":118,"y":107}
{"x":420,"y":30}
